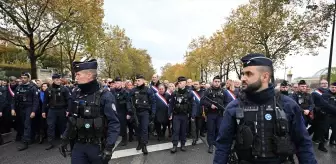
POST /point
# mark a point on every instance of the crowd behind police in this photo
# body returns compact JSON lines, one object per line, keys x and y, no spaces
{"x":39,"y":110}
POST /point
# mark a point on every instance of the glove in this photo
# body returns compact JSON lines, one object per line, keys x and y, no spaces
{"x":106,"y":155}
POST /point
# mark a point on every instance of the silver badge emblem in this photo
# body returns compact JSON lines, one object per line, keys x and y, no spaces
{"x":87,"y":126}
{"x":268,"y":117}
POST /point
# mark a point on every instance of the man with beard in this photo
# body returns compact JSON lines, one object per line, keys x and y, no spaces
{"x":58,"y":101}
{"x":268,"y":126}
{"x":284,"y":88}
{"x":143,"y":102}
{"x":215,"y":100}
{"x":305,"y":101}
{"x":199,"y":118}
{"x":25,"y":106}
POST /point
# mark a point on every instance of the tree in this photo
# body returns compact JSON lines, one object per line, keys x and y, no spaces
{"x":172,"y":72}
{"x":278,"y":29}
{"x":80,"y":34}
{"x":33,"y":24}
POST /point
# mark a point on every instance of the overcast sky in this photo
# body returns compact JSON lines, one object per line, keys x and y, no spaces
{"x":166,"y":27}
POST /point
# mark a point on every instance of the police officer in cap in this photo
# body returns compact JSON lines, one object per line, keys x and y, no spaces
{"x":284,"y":88}
{"x":58,"y":101}
{"x":267,"y":127}
{"x":93,"y":122}
{"x":215,"y":100}
{"x":142,"y":100}
{"x":24,"y":106}
{"x":181,"y":105}
{"x":121,"y":100}
{"x":330,"y":97}
{"x":305,"y":101}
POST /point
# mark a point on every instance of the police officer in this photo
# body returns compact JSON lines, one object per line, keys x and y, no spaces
{"x":265,"y":132}
{"x":24,"y":106}
{"x":284,"y":88}
{"x":142,"y":100}
{"x":215,"y":100}
{"x":121,"y":101}
{"x":200,"y":113}
{"x":5,"y":121}
{"x":305,"y":101}
{"x":181,"y":105}
{"x":330,"y":96}
{"x":94,"y":122}
{"x":58,"y":101}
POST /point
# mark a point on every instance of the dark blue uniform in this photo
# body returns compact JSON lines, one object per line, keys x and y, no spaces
{"x":121,"y":103}
{"x":143,"y":100}
{"x":214,"y":116}
{"x":86,"y":150}
{"x":58,"y":101}
{"x":25,"y":102}
{"x":5,"y":119}
{"x":181,"y":105}
{"x":298,"y":133}
{"x":305,"y":101}
{"x":330,"y":98}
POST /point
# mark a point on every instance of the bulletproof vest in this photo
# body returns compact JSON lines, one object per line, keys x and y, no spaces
{"x":182,"y":103}
{"x":24,"y":94}
{"x":263,"y":131}
{"x":141,"y":99}
{"x":303,"y":100}
{"x":121,"y":97}
{"x":216,"y":95}
{"x":332,"y":99}
{"x":3,"y":93}
{"x":89,"y":116}
{"x":56,"y":97}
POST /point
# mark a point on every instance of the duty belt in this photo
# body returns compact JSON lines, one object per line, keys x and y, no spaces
{"x":89,"y":140}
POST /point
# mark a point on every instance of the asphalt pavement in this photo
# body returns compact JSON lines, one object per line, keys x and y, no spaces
{"x":159,"y":153}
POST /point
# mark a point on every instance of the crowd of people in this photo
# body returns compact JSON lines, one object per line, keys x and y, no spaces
{"x":41,"y":109}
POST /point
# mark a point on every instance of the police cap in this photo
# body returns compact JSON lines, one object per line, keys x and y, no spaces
{"x":79,"y":66}
{"x":117,"y":79}
{"x":139,"y":76}
{"x":256,"y":60}
{"x":181,"y":78}
{"x":26,"y":74}
{"x":56,"y":76}
{"x":302,"y":82}
{"x":216,"y":77}
{"x":284,"y":83}
{"x":333,"y":84}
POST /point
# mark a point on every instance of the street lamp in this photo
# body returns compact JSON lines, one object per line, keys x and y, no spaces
{"x":313,"y":7}
{"x":286,"y":70}
{"x":331,"y":45}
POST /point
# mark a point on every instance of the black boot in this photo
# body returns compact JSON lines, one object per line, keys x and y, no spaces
{"x":22,"y":147}
{"x":210,"y":150}
{"x":50,"y":146}
{"x":194,"y":142}
{"x":183,"y":148}
{"x":123,"y":141}
{"x":322,"y":148}
{"x":144,"y":149}
{"x":174,"y":149}
{"x":139,"y":146}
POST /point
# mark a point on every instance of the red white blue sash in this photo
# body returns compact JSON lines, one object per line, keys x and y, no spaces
{"x":10,"y":91}
{"x":154,"y":88}
{"x":168,"y":92}
{"x":231,"y":94}
{"x":318,"y":92}
{"x":162,"y":99}
{"x":197,"y":96}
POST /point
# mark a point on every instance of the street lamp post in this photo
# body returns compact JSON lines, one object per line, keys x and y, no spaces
{"x":286,"y":70}
{"x":331,"y":45}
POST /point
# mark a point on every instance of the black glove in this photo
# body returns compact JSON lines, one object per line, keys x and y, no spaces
{"x":106,"y":155}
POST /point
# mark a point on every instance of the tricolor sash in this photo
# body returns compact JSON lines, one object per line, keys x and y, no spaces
{"x":197,"y":96}
{"x":162,"y":99}
{"x":168,"y":92}
{"x":318,"y":92}
{"x":10,"y":91}
{"x":231,"y":94}
{"x":154,"y":88}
